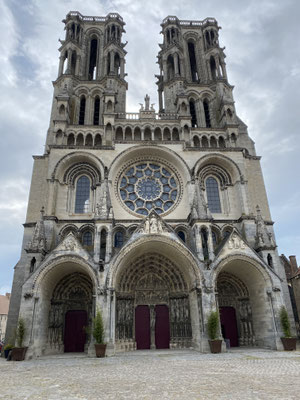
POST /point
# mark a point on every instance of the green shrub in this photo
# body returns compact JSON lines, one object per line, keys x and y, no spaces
{"x":213,"y":325}
{"x":20,"y":333}
{"x":98,"y":328}
{"x":284,"y":321}
{"x":8,"y":346}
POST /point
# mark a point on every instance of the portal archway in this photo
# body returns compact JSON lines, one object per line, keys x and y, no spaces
{"x":151,"y":290}
{"x":245,"y":309}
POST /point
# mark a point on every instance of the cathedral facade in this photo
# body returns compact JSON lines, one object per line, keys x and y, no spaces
{"x":156,"y":217}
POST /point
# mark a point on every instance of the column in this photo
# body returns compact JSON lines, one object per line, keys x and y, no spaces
{"x":108,"y":244}
{"x":122,"y":68}
{"x":77,"y":68}
{"x":112,"y":62}
{"x":68,"y":71}
{"x":61,"y":65}
{"x":176,"y":64}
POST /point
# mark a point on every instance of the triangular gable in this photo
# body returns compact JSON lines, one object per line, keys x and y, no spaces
{"x":235,"y":243}
{"x":70,"y":244}
{"x":154,"y":224}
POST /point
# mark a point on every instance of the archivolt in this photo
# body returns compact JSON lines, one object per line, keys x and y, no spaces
{"x":152,"y":266}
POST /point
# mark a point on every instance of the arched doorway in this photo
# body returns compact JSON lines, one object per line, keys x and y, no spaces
{"x":233,"y":299}
{"x":70,"y":312}
{"x":152,"y":304}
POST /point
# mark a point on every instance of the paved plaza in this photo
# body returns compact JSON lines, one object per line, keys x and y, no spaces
{"x":159,"y":374}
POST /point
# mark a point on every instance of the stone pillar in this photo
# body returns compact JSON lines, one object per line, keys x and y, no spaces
{"x":160,"y":102}
{"x":210,"y":244}
{"x":61,"y":65}
{"x":77,"y":68}
{"x":217,"y":67}
{"x":152,"y":327}
{"x":122,"y":75}
{"x":68,"y":71}
{"x":165,"y":70}
{"x":198,"y":243}
{"x":108,"y":244}
{"x":176,"y":64}
{"x":97,"y":245}
{"x":112,"y":62}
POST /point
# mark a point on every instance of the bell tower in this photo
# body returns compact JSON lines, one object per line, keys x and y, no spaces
{"x":91,"y":67}
{"x":193,"y":78}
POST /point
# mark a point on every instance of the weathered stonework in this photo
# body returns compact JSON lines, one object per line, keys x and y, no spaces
{"x":155,"y":215}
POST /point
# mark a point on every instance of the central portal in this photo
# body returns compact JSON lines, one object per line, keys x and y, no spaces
{"x":152,"y":327}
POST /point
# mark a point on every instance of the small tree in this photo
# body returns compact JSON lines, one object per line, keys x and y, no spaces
{"x":285,"y":322}
{"x":20,"y":333}
{"x":213,"y":325}
{"x":98,"y":328}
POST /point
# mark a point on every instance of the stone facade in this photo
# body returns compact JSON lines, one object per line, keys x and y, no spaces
{"x":152,"y":216}
{"x":4,"y":305}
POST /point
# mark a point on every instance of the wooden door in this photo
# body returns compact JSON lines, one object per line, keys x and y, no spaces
{"x":142,"y":327}
{"x":229,"y":325}
{"x":162,"y":327}
{"x":75,"y":335}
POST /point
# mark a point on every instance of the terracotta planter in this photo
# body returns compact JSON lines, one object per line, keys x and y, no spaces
{"x":215,"y":345}
{"x":18,"y":353}
{"x":100,"y":350}
{"x":289,"y":343}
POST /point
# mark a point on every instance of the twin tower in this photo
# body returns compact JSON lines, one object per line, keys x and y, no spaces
{"x":91,"y":87}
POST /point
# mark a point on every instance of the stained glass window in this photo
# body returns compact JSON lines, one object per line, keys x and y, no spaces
{"x":148,"y":186}
{"x":212,"y":193}
{"x":82,"y":200}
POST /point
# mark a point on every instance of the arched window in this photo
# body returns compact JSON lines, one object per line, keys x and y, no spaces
{"x":206,"y":113}
{"x":226,"y":233}
{"x":170,"y":67}
{"x":81,"y":111}
{"x":193,"y":113}
{"x":196,"y":141}
{"x":181,"y":235}
{"x":73,"y":62}
{"x":89,"y":140}
{"x":213,"y":142}
{"x":117,"y":64}
{"x":213,"y":67}
{"x":32,"y":265}
{"x":221,"y":142}
{"x":96,"y":110}
{"x":215,"y":238}
{"x":212,"y":193}
{"x":270,"y":260}
{"x":87,"y":238}
{"x":98,"y":140}
{"x":204,"y":240}
{"x":93,"y":59}
{"x":82,"y":200}
{"x":71,"y":140}
{"x":193,"y":63}
{"x":103,"y":235}
{"x":119,"y":239}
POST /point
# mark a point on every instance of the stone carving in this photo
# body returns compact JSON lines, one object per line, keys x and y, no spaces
{"x":199,"y":207}
{"x":235,"y":242}
{"x":264,"y":238}
{"x":124,"y":319}
{"x":38,"y":242}
{"x":103,"y":208}
{"x":153,"y":224}
{"x":180,"y":322}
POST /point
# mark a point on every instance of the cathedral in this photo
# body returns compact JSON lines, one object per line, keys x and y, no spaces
{"x":156,"y":217}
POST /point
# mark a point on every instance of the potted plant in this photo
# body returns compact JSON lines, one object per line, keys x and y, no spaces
{"x":98,"y":333}
{"x":215,"y":344}
{"x":289,"y":342}
{"x":7,"y":348}
{"x":18,"y":353}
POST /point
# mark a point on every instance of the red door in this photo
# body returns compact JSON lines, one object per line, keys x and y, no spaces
{"x":142,"y":327}
{"x":229,"y":325}
{"x":75,"y":335}
{"x":162,"y":327}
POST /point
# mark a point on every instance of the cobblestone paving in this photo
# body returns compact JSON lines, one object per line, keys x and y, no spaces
{"x":160,"y":374}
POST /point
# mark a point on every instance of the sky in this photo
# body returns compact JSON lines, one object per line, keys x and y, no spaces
{"x":262,"y":47}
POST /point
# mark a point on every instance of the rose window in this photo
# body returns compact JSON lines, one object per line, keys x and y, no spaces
{"x":148,"y":186}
